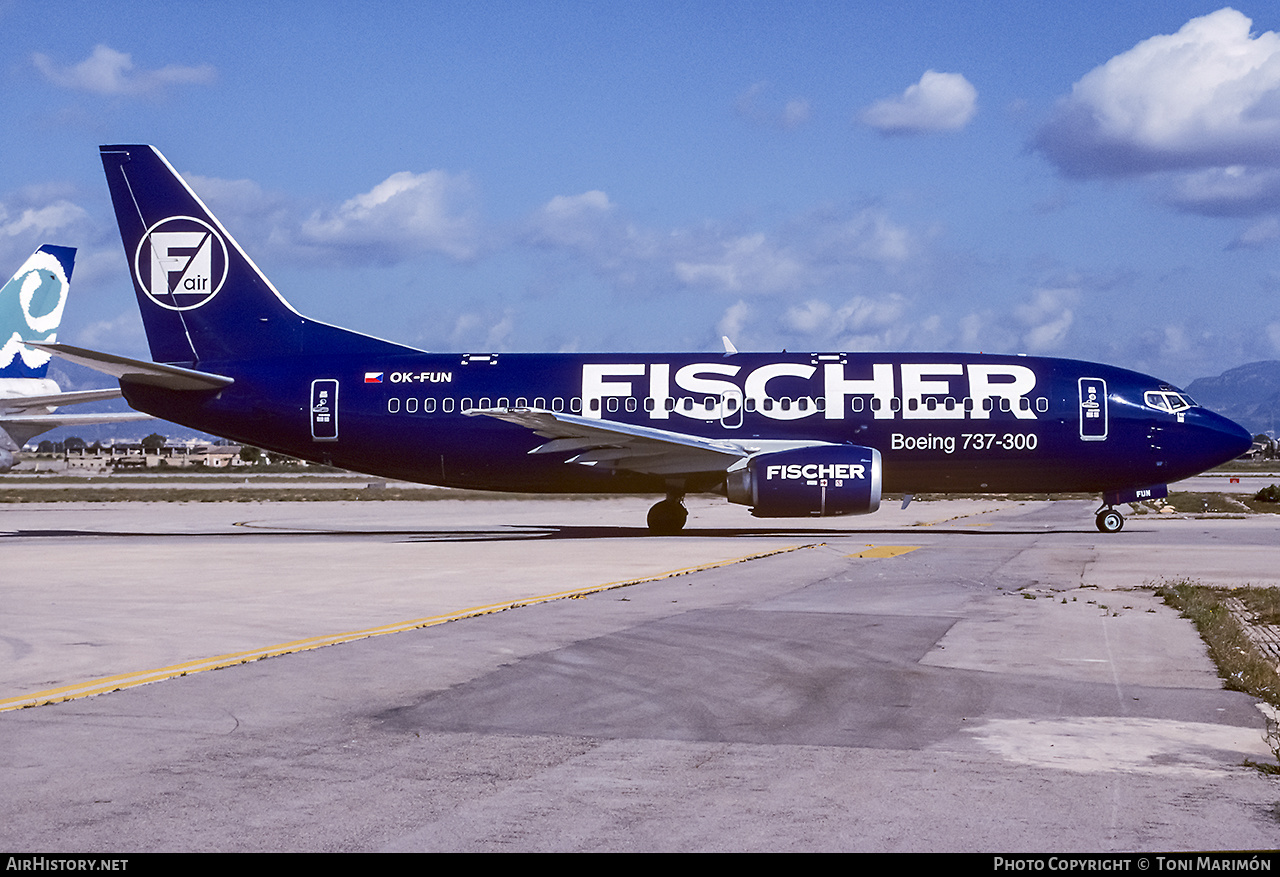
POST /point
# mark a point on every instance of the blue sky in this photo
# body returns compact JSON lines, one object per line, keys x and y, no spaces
{"x":1099,"y":181}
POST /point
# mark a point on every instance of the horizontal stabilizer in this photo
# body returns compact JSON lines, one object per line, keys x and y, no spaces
{"x":57,"y":400}
{"x":21,"y":428}
{"x":153,"y":374}
{"x":53,"y":421}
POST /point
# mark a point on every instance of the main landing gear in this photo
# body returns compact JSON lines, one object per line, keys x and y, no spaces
{"x":667,"y":518}
{"x":1109,"y":520}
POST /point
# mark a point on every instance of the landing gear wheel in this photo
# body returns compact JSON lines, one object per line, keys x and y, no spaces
{"x":1110,"y":521}
{"x":667,"y":518}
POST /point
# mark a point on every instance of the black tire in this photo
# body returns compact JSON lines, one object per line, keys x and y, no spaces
{"x":1110,"y":521}
{"x":667,"y":518}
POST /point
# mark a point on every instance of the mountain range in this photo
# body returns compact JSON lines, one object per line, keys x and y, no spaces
{"x":1248,"y":394}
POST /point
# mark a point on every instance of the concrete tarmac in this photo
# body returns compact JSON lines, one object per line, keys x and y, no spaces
{"x":960,"y":675}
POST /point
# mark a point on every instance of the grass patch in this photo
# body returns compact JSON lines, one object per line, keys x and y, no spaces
{"x":1240,"y":664}
{"x":1190,"y":503}
{"x":1264,"y":603}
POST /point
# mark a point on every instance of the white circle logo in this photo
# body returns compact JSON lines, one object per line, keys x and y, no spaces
{"x":181,"y":263}
{"x":42,"y":292}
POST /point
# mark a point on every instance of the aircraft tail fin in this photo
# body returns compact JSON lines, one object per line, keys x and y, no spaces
{"x":202,"y":297}
{"x":31,"y":308}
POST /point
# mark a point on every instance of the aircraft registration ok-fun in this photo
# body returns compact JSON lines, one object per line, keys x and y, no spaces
{"x":790,"y":435}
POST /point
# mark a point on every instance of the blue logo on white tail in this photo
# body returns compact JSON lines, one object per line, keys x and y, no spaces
{"x":181,"y":263}
{"x":31,"y":306}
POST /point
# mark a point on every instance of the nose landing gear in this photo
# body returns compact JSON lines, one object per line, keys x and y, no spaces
{"x":1109,"y":520}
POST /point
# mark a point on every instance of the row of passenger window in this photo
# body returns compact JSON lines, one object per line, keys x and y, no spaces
{"x":448,"y":404}
{"x":709,"y":404}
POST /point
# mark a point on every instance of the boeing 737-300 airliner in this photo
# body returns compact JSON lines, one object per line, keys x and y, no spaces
{"x":788,"y":434}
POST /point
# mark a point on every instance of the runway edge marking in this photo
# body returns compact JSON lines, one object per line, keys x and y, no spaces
{"x":122,"y":681}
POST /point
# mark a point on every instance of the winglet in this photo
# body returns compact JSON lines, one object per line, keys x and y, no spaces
{"x":729,"y":349}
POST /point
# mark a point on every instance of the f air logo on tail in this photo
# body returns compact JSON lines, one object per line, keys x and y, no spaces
{"x":181,"y":263}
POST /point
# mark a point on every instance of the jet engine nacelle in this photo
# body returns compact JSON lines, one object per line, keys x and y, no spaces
{"x":818,"y":481}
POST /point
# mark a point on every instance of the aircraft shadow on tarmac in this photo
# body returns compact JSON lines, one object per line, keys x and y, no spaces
{"x":516,"y":533}
{"x":607,"y":532}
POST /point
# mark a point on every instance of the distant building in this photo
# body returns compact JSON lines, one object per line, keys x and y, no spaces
{"x":102,"y":459}
{"x":134,"y":455}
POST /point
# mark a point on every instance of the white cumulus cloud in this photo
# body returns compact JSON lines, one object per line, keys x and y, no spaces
{"x":1263,"y":233}
{"x":938,"y":102}
{"x":859,"y":323}
{"x":734,"y":321}
{"x":833,"y":248}
{"x":406,"y":214}
{"x":1225,"y":191}
{"x":749,"y":263}
{"x":40,"y":220}
{"x":574,"y":221}
{"x":1046,"y":319}
{"x":110,"y":72}
{"x":1206,"y":96}
{"x":757,"y":106}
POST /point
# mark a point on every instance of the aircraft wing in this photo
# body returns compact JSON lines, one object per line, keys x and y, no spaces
{"x":154,"y":374}
{"x":644,"y":449}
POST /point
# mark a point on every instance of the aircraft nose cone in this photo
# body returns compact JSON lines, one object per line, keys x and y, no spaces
{"x":1243,"y":440}
{"x":1205,"y":440}
{"x":1228,"y":438}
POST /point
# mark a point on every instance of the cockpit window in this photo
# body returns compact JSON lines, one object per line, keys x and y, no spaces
{"x":1166,"y":400}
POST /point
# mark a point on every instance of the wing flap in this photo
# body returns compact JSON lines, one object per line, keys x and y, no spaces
{"x":562,"y":445}
{"x":614,"y":445}
{"x":626,"y":446}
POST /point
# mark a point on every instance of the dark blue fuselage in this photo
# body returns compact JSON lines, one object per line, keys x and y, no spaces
{"x":942,"y":422}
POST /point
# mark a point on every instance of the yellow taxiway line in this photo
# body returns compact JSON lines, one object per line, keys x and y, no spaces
{"x":142,"y":677}
{"x":884,"y":551}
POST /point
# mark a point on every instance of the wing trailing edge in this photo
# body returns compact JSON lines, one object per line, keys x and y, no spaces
{"x":644,"y":449}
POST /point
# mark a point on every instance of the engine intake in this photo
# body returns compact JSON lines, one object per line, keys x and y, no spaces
{"x":819,"y":481}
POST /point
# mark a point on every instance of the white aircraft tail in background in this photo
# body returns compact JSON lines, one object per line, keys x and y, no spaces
{"x":31,"y":306}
